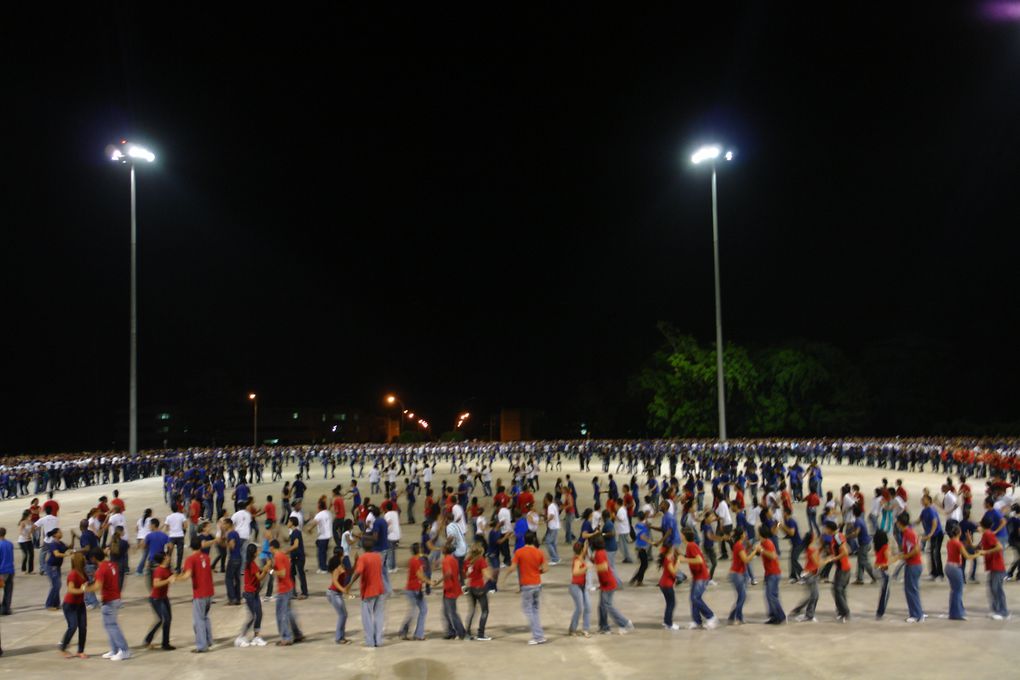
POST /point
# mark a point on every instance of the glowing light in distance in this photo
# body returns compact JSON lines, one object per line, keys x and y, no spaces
{"x":252,"y":396}
{"x":139,"y":152}
{"x":705,"y":153}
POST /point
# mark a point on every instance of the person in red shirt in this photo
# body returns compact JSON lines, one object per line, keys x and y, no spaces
{"x":995,"y":565}
{"x":286,"y":622}
{"x":701,"y":615}
{"x":414,"y":591}
{"x":773,"y":573}
{"x":74,"y":606}
{"x":117,"y":503}
{"x":881,"y":545}
{"x":911,"y":554}
{"x":162,"y":577}
{"x":368,"y":567}
{"x":810,"y":579}
{"x":578,"y":592}
{"x":451,"y":591}
{"x":253,"y":577}
{"x":198,"y":568}
{"x":270,"y":511}
{"x":813,"y":501}
{"x":667,"y":583}
{"x":607,"y":587}
{"x":523,"y":500}
{"x":531,"y":563}
{"x":956,"y":553}
{"x":107,"y":582}
{"x":738,"y":576}
{"x":477,"y":574}
{"x":840,"y":555}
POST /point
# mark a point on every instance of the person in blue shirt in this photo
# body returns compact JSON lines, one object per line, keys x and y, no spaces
{"x":791,"y":530}
{"x":967,"y":531}
{"x":520,"y":530}
{"x":233,"y":543}
{"x":297,"y":557}
{"x":642,"y":539}
{"x":860,"y":539}
{"x":997,"y":521}
{"x":6,"y":571}
{"x":155,"y":542}
{"x":218,"y":489}
{"x":933,"y":535}
{"x":667,"y":528}
{"x":611,"y":543}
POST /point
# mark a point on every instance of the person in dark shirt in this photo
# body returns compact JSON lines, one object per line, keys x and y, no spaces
{"x":296,"y":552}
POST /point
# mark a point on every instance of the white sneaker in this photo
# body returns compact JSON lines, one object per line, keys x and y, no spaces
{"x":712,"y":623}
{"x":911,"y":619}
{"x":712,"y":583}
{"x":998,"y":617}
{"x":241,"y":642}
{"x":675,"y":626}
{"x":540,"y":641}
{"x":109,"y":655}
{"x":693,"y":626}
{"x":257,"y":642}
{"x":120,"y":656}
{"x":319,"y":571}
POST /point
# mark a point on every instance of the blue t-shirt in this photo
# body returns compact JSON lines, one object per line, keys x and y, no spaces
{"x":609,"y":535}
{"x":706,"y":541}
{"x":520,"y":529}
{"x":967,"y":529}
{"x":380,"y":529}
{"x":995,"y":517}
{"x":6,"y":557}
{"x":155,"y":542}
{"x":242,"y":493}
{"x":863,"y":537}
{"x":929,"y":519}
{"x":791,"y":524}
{"x":641,"y":535}
{"x":56,"y":547}
{"x":235,"y":552}
{"x":88,"y":539}
{"x":669,"y":527}
{"x":295,"y":535}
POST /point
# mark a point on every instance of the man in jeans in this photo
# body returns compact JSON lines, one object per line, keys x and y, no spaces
{"x":198,"y":568}
{"x":108,"y":583}
{"x":369,"y":568}
{"x":233,"y":578}
{"x":285,"y":621}
{"x":910,"y":555}
{"x":531,"y":565}
{"x":858,"y":533}
{"x":552,"y":520}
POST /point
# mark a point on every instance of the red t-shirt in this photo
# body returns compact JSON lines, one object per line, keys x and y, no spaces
{"x":838,"y":540}
{"x":812,"y":500}
{"x":577,"y":579}
{"x":607,"y":581}
{"x":413,"y":566}
{"x":523,"y":500}
{"x":737,"y":566}
{"x":158,"y":574}
{"x":668,"y":579}
{"x":104,"y":510}
{"x":196,"y":512}
{"x":628,"y":502}
{"x":270,"y":510}
{"x":370,"y":567}
{"x":251,"y":581}
{"x":530,"y":559}
{"x":699,"y":572}
{"x":475,"y":572}
{"x":771,"y":566}
{"x":954,"y":552}
{"x":451,"y":577}
{"x":909,"y":541}
{"x":201,"y":574}
{"x":501,"y":500}
{"x":118,"y":504}
{"x":812,"y":560}
{"x":339,"y":508}
{"x":107,"y":575}
{"x":882,"y":556}
{"x":285,"y":583}
{"x":53,"y":505}
{"x":77,"y":580}
{"x":995,"y":561}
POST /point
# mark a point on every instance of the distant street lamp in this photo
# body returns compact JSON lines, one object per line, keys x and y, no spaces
{"x":129,"y":154}
{"x":255,"y":419}
{"x":703,"y":155}
{"x":462,"y":419}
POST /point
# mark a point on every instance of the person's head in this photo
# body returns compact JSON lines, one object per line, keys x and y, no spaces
{"x":56,"y":534}
{"x":114,"y":551}
{"x":335,"y":560}
{"x":858,"y":511}
{"x":531,"y":538}
{"x":689,"y":534}
{"x":322,"y":504}
{"x":926,"y":500}
{"x":986,"y":523}
{"x":880,"y":539}
{"x":597,"y":542}
{"x":737,"y":534}
{"x":25,"y":515}
{"x":448,"y":548}
{"x":196,"y":544}
{"x":78,"y":563}
{"x":764,"y":531}
{"x":154,"y":524}
{"x":903,"y":520}
{"x":368,"y":541}
{"x":953,"y":530}
{"x":292,"y":522}
{"x":250,"y":553}
{"x":829,"y":527}
{"x":416,"y":549}
{"x":989,"y":502}
{"x":578,"y":547}
{"x":274,"y":546}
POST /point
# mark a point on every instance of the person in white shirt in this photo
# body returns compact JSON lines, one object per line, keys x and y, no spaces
{"x":242,"y":520}
{"x":174,"y":525}
{"x":951,"y":506}
{"x":458,"y":517}
{"x":115,"y":520}
{"x":45,"y":525}
{"x":623,"y":533}
{"x":323,"y":526}
{"x":296,"y":513}
{"x":552,"y":522}
{"x":392,"y":518}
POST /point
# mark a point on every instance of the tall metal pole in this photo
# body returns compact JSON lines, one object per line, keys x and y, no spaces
{"x":718,"y":315}
{"x":133,"y":406}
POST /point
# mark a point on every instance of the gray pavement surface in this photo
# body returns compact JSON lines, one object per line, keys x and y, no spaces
{"x":978,"y":648}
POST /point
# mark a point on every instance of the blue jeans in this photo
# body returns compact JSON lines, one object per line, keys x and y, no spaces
{"x":200,"y":622}
{"x":285,"y":621}
{"x":233,"y":581}
{"x":739,"y":582}
{"x":582,"y":608}
{"x":254,"y":604}
{"x":912,"y":590}
{"x":454,"y":626}
{"x":550,"y":544}
{"x":320,"y":548}
{"x":954,"y":574}
{"x":609,"y":611}
{"x":415,"y":604}
{"x":53,"y":598}
{"x":996,"y":594}
{"x":164,"y":617}
{"x":670,"y":596}
{"x":699,"y":610}
{"x":775,"y":608}
{"x":340,"y":607}
{"x":113,"y":632}
{"x":530,"y":600}
{"x":883,"y":596}
{"x":372,"y":613}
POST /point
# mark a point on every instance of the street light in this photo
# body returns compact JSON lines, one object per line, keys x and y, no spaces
{"x":129,"y":154}
{"x":711,"y":153}
{"x":392,"y":399}
{"x":462,"y":418}
{"x":255,"y":419}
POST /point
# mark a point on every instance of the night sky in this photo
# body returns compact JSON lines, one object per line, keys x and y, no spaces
{"x":484,"y":211}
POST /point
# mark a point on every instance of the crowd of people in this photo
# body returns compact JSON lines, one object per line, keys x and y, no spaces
{"x":666,"y":506}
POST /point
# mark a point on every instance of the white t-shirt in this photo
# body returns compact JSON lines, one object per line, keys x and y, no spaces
{"x":552,"y":516}
{"x":723,"y":513}
{"x":622,"y":522}
{"x":117,"y":520}
{"x":300,"y":519}
{"x":324,"y":521}
{"x":175,"y":524}
{"x":505,"y":519}
{"x":458,"y":517}
{"x":392,"y":518}
{"x":142,"y":528}
{"x":46,"y":524}
{"x":242,"y":524}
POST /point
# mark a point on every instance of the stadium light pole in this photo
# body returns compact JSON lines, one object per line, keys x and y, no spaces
{"x":712,"y":153}
{"x":129,"y":154}
{"x":253,"y":398}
